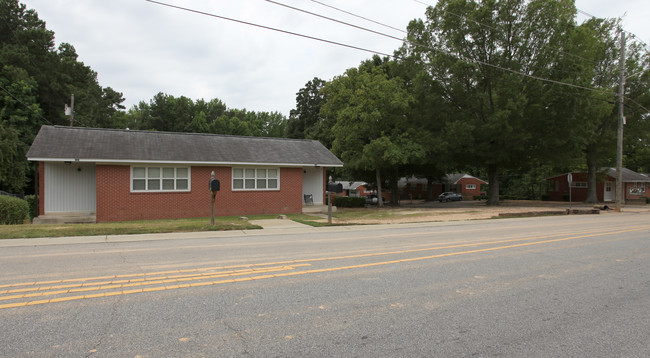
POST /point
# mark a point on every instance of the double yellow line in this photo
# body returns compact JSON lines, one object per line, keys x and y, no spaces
{"x":115,"y":285}
{"x":105,"y":286}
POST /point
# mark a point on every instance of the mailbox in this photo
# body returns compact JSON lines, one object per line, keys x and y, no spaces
{"x":215,"y":185}
{"x":335,"y":188}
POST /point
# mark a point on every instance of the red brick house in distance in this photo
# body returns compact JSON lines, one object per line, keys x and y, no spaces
{"x":466,"y":185}
{"x":118,"y":175}
{"x":636,"y":186}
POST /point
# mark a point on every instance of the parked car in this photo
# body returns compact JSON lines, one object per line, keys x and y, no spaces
{"x":449,"y":196}
{"x":372,"y":199}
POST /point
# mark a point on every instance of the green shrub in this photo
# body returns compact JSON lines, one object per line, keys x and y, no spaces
{"x":546,"y":197}
{"x":349,"y":202}
{"x":13,"y":210}
{"x":31,"y":202}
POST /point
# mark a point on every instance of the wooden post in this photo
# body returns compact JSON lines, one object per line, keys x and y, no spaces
{"x":329,"y":204}
{"x":214,"y":194}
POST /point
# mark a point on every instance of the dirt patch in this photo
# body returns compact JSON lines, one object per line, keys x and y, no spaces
{"x":453,"y":211}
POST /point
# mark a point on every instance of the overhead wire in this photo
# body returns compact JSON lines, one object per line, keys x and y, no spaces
{"x":267,"y":27}
{"x":439,"y":50}
{"x":567,"y":53}
{"x":24,"y":104}
{"x":461,"y":57}
{"x":334,"y":20}
{"x":358,"y":16}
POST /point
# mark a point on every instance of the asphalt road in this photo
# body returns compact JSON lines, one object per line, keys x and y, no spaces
{"x":575,"y":286}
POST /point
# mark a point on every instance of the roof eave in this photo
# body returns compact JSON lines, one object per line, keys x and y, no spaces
{"x":135,"y":161}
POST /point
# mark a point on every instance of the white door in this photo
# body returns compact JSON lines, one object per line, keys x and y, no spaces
{"x":70,"y":187}
{"x":312,"y":183}
{"x":609,"y":191}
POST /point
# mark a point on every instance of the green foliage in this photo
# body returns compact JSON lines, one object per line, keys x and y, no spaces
{"x":13,"y":210}
{"x":36,"y":79}
{"x":369,"y":108}
{"x":13,"y":165}
{"x":168,"y":113}
{"x":349,"y":202}
{"x":31,"y":203}
{"x":305,"y":121}
{"x":495,"y":116}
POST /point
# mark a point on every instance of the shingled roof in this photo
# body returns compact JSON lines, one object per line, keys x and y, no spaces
{"x":57,"y":143}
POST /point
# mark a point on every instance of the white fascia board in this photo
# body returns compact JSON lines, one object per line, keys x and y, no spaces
{"x":161,"y":162}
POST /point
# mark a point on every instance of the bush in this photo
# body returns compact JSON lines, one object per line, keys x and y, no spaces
{"x":349,"y":202}
{"x":13,"y":210}
{"x":31,"y":203}
{"x":546,"y":197}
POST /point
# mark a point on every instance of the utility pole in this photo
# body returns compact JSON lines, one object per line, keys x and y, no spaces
{"x":620,"y":188}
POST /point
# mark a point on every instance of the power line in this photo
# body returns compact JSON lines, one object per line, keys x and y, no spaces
{"x":24,"y":104}
{"x":334,"y":20}
{"x":358,"y":16}
{"x":496,"y":29}
{"x":269,"y":28}
{"x":461,"y":57}
{"x":438,"y":50}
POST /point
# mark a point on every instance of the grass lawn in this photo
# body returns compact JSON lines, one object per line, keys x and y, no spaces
{"x":129,"y":227}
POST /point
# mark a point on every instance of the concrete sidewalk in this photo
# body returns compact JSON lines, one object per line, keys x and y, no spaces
{"x":278,"y":224}
{"x":269,"y":227}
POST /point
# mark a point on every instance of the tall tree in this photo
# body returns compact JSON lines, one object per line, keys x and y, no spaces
{"x":370,"y":112}
{"x":477,"y":52}
{"x":305,"y":120}
{"x":37,"y":80}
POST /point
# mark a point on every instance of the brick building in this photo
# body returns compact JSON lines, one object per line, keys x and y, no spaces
{"x":117,"y":175}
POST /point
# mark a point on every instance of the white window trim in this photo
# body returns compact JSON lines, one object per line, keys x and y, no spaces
{"x":579,"y":184}
{"x":161,"y":167}
{"x":470,"y":186}
{"x":232,"y":182}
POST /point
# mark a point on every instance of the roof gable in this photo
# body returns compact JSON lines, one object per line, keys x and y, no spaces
{"x":455,"y":178}
{"x":57,"y":143}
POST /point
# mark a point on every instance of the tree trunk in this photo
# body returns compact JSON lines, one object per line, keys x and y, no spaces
{"x":592,"y":171}
{"x":380,"y":202}
{"x":493,"y":186}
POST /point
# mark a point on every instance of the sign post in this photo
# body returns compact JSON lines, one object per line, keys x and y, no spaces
{"x":214,"y":188}
{"x":331,"y":189}
{"x":329,"y":202}
{"x":569,"y":178}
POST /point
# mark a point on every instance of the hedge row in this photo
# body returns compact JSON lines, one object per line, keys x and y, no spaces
{"x":13,"y":210}
{"x":349,"y":202}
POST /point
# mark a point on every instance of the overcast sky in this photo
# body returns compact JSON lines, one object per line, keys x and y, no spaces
{"x":140,"y":48}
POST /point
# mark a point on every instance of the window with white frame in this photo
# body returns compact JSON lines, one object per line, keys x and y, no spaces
{"x":160,"y":179}
{"x":579,"y":184}
{"x":470,"y":186}
{"x":255,"y":178}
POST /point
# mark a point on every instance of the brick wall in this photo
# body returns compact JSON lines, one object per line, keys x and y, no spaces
{"x":115,"y":202}
{"x":469,"y":193}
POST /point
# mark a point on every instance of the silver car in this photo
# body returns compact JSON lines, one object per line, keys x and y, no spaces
{"x":449,"y":196}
